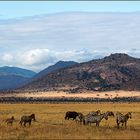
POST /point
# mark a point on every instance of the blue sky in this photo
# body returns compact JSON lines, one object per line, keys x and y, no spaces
{"x":16,"y":9}
{"x":34,"y":35}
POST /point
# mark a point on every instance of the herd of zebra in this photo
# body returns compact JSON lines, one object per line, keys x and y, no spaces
{"x":23,"y":121}
{"x":92,"y":117}
{"x":96,"y":117}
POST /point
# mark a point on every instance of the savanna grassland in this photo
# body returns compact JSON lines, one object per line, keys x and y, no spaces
{"x":52,"y":125}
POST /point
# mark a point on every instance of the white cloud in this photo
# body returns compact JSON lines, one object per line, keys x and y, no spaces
{"x":38,"y":59}
{"x":36,"y":42}
{"x":37,"y":56}
{"x":7,"y":58}
{"x":134,"y":52}
{"x":78,"y":55}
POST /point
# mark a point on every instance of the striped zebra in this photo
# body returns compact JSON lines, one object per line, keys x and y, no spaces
{"x":120,"y":118}
{"x":79,"y":118}
{"x":93,"y":113}
{"x":110,"y":113}
{"x":27,"y":119}
{"x":90,"y":114}
{"x":95,"y":119}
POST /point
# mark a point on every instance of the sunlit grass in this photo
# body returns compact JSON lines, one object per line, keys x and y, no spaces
{"x":51,"y":124}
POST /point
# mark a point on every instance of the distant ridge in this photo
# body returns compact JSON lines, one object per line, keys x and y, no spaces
{"x":52,"y":68}
{"x":6,"y":70}
{"x":117,"y":71}
{"x":12,"y":77}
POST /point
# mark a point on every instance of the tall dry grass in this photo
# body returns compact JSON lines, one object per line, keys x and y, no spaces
{"x":51,"y":124}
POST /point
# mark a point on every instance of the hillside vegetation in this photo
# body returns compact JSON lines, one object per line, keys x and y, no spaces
{"x":117,"y":71}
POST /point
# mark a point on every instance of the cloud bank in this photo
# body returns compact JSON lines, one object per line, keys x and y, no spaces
{"x":39,"y":41}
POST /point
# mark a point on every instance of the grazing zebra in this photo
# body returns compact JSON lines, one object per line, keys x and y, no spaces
{"x":95,"y":119}
{"x":110,"y":113}
{"x":27,"y":119}
{"x":93,"y":113}
{"x":10,"y":120}
{"x":120,"y":118}
{"x":79,"y":118}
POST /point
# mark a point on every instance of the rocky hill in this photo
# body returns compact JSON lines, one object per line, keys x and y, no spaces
{"x":117,"y":71}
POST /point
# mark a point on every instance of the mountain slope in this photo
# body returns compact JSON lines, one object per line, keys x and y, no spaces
{"x":12,"y":77}
{"x":11,"y":81}
{"x":57,"y":66}
{"x":117,"y":71}
{"x":16,"y":71}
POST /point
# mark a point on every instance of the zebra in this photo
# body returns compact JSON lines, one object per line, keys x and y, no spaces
{"x":93,"y":113}
{"x":95,"y":119}
{"x":110,"y":113}
{"x":90,"y":114}
{"x":27,"y":119}
{"x":79,"y":118}
{"x":120,"y":118}
{"x":10,"y":120}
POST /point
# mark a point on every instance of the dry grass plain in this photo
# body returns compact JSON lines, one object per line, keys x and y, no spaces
{"x":93,"y":94}
{"x":51,"y":124}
